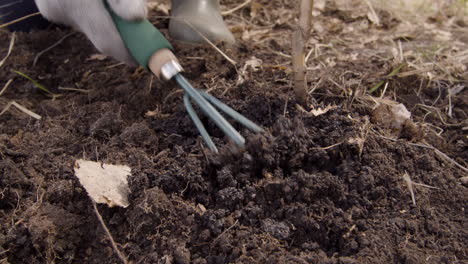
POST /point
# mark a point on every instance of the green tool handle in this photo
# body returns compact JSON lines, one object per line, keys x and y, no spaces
{"x":141,"y":37}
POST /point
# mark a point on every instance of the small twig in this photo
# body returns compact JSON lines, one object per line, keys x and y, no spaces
{"x":51,"y":47}
{"x":19,"y":20}
{"x":22,"y":109}
{"x":10,"y":48}
{"x":114,"y":245}
{"x":228,"y":12}
{"x":5,"y":87}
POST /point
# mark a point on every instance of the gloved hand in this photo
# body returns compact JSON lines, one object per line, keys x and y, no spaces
{"x":190,"y":18}
{"x":92,"y":18}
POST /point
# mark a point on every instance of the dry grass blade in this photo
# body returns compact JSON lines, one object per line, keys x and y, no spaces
{"x":74,"y":89}
{"x":22,"y":109}
{"x":447,"y":158}
{"x":228,"y":12}
{"x":224,"y":232}
{"x":51,"y":47}
{"x":409,"y":183}
{"x":425,"y":186}
{"x":6,"y":86}
{"x":328,"y":147}
{"x":18,"y":20}
{"x":233,"y":62}
{"x":10,"y":48}
{"x":7,"y":5}
{"x":374,"y":17}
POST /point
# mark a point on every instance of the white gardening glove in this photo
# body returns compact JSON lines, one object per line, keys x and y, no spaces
{"x":92,"y":18}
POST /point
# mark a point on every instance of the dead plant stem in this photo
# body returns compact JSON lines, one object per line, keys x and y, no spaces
{"x":299,"y":38}
{"x":19,"y":20}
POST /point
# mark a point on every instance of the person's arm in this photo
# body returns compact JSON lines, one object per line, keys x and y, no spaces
{"x":92,"y":18}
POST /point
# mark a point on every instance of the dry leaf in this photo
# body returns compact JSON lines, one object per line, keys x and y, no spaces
{"x":104,"y":183}
{"x":254,"y":8}
{"x":321,"y":111}
{"x":253,"y":63}
{"x":390,"y":113}
{"x":361,"y":139}
{"x":318,"y":111}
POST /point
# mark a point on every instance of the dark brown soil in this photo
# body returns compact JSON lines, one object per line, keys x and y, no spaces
{"x":301,"y":193}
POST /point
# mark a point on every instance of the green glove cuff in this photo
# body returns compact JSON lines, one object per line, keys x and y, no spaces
{"x":141,"y":37}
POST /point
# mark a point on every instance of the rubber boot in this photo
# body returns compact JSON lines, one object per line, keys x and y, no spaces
{"x":204,"y":16}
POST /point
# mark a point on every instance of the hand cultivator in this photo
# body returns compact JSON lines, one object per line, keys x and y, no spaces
{"x":152,"y":50}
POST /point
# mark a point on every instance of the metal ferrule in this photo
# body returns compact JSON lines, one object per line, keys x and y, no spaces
{"x":170,"y":69}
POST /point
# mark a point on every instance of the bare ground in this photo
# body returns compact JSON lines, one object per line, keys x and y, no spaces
{"x":326,"y":188}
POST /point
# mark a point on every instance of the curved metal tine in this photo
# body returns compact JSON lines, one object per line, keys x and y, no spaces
{"x":201,"y":128}
{"x":231,"y":112}
{"x":210,"y":111}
